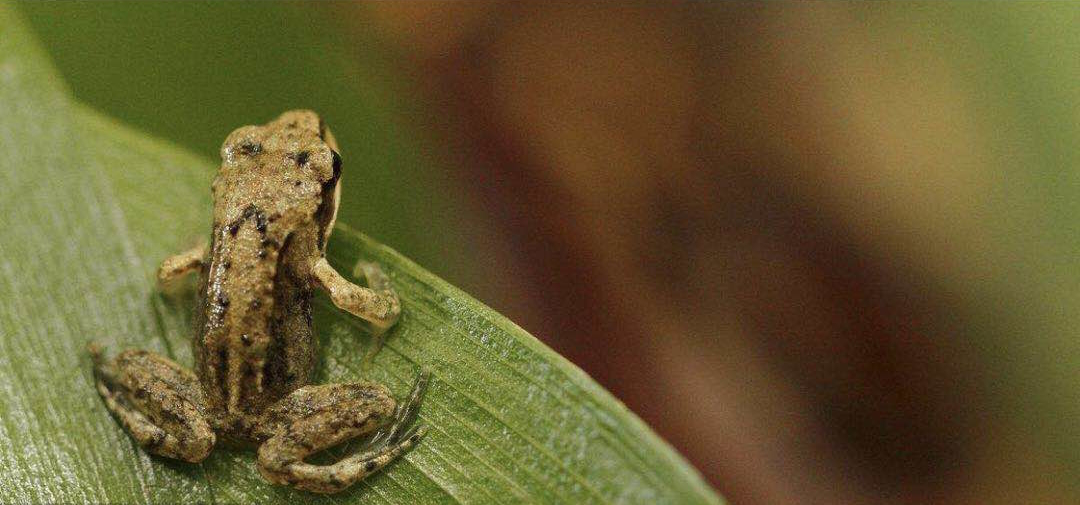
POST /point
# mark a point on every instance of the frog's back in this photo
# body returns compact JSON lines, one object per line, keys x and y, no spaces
{"x":254,"y":339}
{"x":274,"y":198}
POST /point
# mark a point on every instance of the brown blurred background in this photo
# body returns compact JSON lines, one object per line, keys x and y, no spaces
{"x":746,"y":222}
{"x":826,"y":250}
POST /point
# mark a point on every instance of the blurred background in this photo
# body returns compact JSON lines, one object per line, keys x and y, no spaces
{"x":827,"y":250}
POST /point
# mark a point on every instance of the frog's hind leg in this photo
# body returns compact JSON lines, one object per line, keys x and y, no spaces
{"x":158,"y":402}
{"x":314,"y":418}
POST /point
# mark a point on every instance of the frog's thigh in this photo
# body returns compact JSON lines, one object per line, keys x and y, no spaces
{"x":158,"y":402}
{"x":314,"y":418}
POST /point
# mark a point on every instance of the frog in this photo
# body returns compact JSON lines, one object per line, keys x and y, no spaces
{"x":275,"y":201}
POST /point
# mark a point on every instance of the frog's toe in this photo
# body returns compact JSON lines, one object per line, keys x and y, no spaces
{"x":404,"y":415}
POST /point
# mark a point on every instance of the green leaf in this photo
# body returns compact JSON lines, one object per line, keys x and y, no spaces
{"x":88,"y":209}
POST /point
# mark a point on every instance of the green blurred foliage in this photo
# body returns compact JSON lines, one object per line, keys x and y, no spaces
{"x":1015,"y":299}
{"x":191,"y":72}
{"x":1020,"y":69}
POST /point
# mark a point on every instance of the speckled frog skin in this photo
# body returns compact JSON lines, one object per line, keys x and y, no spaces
{"x":275,"y":199}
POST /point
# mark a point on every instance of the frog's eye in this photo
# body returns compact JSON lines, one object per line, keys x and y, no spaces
{"x":336,"y":163}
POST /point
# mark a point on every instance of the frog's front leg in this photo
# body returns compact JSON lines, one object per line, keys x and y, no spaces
{"x":377,"y":304}
{"x":179,"y":264}
{"x":314,"y":418}
{"x":157,"y":401}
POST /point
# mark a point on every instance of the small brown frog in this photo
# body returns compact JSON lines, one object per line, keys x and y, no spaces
{"x":275,"y":200}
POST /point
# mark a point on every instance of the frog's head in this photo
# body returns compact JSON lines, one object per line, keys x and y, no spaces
{"x":288,"y":168}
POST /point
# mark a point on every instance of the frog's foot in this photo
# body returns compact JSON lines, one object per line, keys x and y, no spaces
{"x":378,"y":282}
{"x":158,"y":402}
{"x":404,"y":415}
{"x":314,"y":418}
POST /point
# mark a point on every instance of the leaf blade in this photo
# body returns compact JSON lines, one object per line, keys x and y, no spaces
{"x":512,"y":421}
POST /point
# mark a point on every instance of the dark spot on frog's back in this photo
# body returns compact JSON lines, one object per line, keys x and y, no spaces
{"x":250,"y":148}
{"x":369,"y":466}
{"x":170,"y":416}
{"x":260,"y":222}
{"x":302,"y":157}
